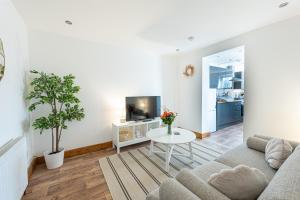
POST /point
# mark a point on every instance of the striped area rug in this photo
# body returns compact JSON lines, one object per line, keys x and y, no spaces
{"x":133,"y":174}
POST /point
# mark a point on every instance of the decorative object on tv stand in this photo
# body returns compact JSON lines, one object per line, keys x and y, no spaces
{"x":2,"y":60}
{"x":189,"y":70}
{"x":123,"y":116}
{"x":168,"y":118}
{"x":59,"y":94}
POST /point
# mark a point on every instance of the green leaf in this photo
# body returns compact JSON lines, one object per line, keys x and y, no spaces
{"x":58,"y":93}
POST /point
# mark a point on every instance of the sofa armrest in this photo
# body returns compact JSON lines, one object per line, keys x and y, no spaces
{"x":154,"y":195}
{"x":171,"y":189}
{"x":198,"y":186}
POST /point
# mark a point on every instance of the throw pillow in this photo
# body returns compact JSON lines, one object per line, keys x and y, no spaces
{"x":239,"y":183}
{"x":257,"y":144}
{"x":277,"y":151}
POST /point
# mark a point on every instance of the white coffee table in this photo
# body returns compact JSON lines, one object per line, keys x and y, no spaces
{"x":160,"y":135}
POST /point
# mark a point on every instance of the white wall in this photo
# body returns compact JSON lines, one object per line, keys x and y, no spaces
{"x":189,"y":92}
{"x":106,"y":74}
{"x":169,"y":82}
{"x":13,"y":117}
{"x":272,"y":83}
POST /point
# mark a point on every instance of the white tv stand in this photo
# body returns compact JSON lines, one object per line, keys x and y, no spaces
{"x":129,"y":133}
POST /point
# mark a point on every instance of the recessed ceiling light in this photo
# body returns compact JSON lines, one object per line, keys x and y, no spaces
{"x":283,"y":4}
{"x":191,"y":38}
{"x":177,"y":50}
{"x":68,"y":22}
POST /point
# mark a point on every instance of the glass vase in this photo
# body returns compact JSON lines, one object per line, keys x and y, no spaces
{"x":169,"y":129}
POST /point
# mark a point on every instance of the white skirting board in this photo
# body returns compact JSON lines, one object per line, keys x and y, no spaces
{"x":13,"y":169}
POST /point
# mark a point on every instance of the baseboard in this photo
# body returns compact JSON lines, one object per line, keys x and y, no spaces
{"x":88,"y":149}
{"x":31,"y":167}
{"x":70,"y":153}
{"x":202,"y":135}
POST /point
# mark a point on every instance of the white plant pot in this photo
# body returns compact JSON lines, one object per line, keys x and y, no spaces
{"x":54,"y":160}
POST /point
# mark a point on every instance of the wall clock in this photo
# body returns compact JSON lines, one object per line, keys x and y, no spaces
{"x":2,"y":60}
{"x":189,"y":70}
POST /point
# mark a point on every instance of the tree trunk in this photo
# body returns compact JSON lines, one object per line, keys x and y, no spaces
{"x":57,"y":140}
{"x":52,"y":140}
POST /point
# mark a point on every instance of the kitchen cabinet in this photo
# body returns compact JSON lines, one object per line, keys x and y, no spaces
{"x":237,"y":85}
{"x":219,"y":78}
{"x":228,"y":113}
{"x":238,"y":80}
{"x":213,"y":80}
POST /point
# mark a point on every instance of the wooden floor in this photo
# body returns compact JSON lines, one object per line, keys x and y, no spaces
{"x":81,"y":177}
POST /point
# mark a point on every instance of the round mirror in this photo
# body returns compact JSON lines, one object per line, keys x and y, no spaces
{"x":2,"y":60}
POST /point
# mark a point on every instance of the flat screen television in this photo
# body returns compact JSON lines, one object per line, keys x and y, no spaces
{"x":142,"y":108}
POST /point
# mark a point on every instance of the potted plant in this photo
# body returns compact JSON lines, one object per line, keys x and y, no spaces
{"x":168,"y":118}
{"x":59,"y":94}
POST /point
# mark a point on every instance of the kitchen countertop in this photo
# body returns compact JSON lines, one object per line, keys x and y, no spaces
{"x":229,"y":100}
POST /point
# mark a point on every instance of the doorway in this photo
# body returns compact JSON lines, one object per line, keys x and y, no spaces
{"x":223,"y":90}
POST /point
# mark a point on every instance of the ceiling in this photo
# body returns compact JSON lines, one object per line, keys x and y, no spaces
{"x":160,"y":26}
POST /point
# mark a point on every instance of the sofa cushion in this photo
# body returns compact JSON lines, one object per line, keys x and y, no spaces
{"x":257,"y":144}
{"x":239,"y":183}
{"x":277,"y":151}
{"x":286,"y":183}
{"x":242,"y":155}
{"x":198,"y":186}
{"x":171,"y":189}
{"x":204,"y":171}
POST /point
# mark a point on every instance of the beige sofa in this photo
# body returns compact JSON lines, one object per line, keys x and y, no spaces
{"x":192,"y":184}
